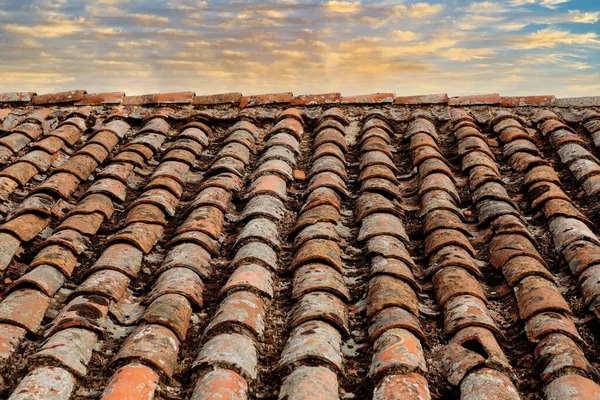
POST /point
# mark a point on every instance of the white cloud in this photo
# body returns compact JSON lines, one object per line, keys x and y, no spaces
{"x":486,"y":7}
{"x":583,"y":17}
{"x":149,"y":19}
{"x":549,"y":37}
{"x":343,"y":7}
{"x":52,"y":27}
{"x":406,"y":36}
{"x":552,"y":3}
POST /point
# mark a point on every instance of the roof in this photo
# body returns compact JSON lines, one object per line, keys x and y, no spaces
{"x":281,"y":246}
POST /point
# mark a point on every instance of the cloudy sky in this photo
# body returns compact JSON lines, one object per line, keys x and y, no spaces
{"x":305,"y":46}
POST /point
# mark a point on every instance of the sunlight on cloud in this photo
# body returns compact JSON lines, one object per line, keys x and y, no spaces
{"x":512,"y":26}
{"x":149,"y":19}
{"x":344,"y":7}
{"x":52,"y":28}
{"x":406,"y":36}
{"x":486,"y":7}
{"x":418,"y":10}
{"x":583,"y":17}
{"x":552,"y":3}
{"x":549,"y":37}
{"x":464,"y":54}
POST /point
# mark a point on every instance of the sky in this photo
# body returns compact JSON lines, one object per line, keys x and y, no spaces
{"x":513,"y":47}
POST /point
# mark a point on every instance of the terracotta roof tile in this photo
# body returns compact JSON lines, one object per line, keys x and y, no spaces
{"x":376,"y":98}
{"x":214,"y":99}
{"x":101,"y":98}
{"x":58,"y":98}
{"x":17,"y":97}
{"x":441,"y":98}
{"x":480,"y":99}
{"x":264,"y":99}
{"x":279,"y":252}
{"x":159,"y":98}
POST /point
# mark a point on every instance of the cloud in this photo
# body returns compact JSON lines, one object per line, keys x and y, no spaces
{"x":516,"y":3}
{"x":53,"y":27}
{"x":486,"y":7}
{"x":149,"y":19}
{"x":552,"y":3}
{"x":465,"y":54}
{"x":343,"y":7}
{"x":31,"y":43}
{"x":549,"y":37}
{"x":583,"y":17}
{"x":139,"y":44}
{"x":512,"y":26}
{"x":406,"y":36}
{"x":472,"y":22}
{"x":418,"y":10}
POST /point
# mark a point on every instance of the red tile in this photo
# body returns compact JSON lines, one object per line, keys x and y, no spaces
{"x":265,"y":99}
{"x":557,"y":353}
{"x":25,"y":307}
{"x":57,"y":98}
{"x":122,"y":257}
{"x":528,"y":101}
{"x":45,"y":383}
{"x":71,"y":348}
{"x":182,"y":281}
{"x":101,"y":98}
{"x":154,"y":344}
{"x":321,"y":306}
{"x":44,"y":277}
{"x":310,"y":383}
{"x":395,"y":317}
{"x":26,"y":226}
{"x":402,"y":386}
{"x":535,"y":295}
{"x":17,"y":97}
{"x":316,"y":99}
{"x":159,"y":98}
{"x":572,"y":387}
{"x":441,"y":98}
{"x":397,"y":349}
{"x":313,"y":340}
{"x":214,"y":99}
{"x":171,"y":310}
{"x":9,"y":245}
{"x":464,"y":311}
{"x":376,"y":98}
{"x":233,"y":350}
{"x":107,"y":282}
{"x":10,"y":339}
{"x":132,"y":382}
{"x":240,"y":308}
{"x":387,"y":291}
{"x":485,"y":381}
{"x":220,"y":384}
{"x":319,"y":277}
{"x":481,"y":99}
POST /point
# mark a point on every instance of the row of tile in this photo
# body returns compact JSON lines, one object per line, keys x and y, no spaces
{"x":467,"y":321}
{"x":227,"y":362}
{"x":398,"y":363}
{"x":319,"y":316}
{"x":179,"y":286}
{"x":34,"y":213}
{"x":25,"y":131}
{"x":43,"y":153}
{"x":591,"y":122}
{"x":571,"y":150}
{"x":81,"y":97}
{"x":72,"y":335}
{"x":546,"y":314}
